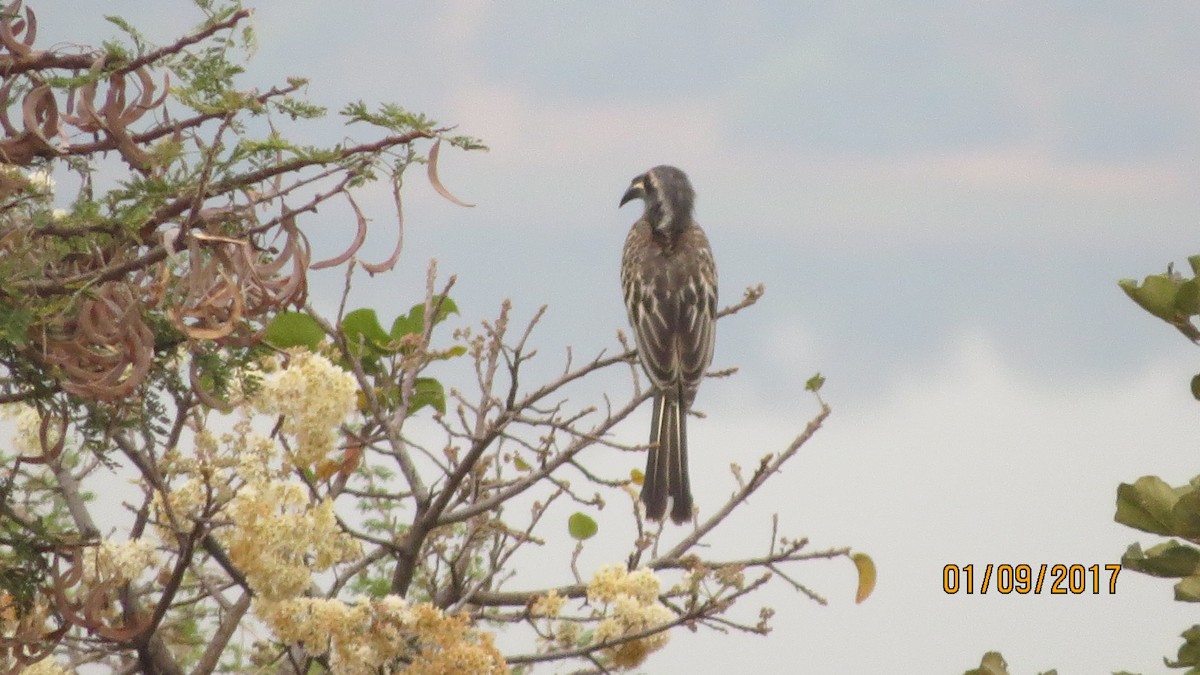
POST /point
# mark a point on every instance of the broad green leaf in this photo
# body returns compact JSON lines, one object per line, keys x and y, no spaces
{"x":1189,"y":651}
{"x":294,"y":329}
{"x":637,"y":476}
{"x":866,"y":576}
{"x":1168,"y":559}
{"x":1146,"y":505}
{"x":362,"y":327}
{"x":1185,"y":515}
{"x":1187,"y":298}
{"x":581,"y":526}
{"x":520,"y":463}
{"x":428,"y":391}
{"x":414,"y":321}
{"x":1156,"y":294}
{"x":405,"y":325}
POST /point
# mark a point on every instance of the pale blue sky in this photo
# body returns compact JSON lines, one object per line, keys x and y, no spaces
{"x":939,"y":197}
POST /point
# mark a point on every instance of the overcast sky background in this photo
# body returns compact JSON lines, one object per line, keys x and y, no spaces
{"x":939,"y":197}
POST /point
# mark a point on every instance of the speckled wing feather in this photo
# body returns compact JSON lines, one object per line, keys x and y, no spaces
{"x":671,"y":298}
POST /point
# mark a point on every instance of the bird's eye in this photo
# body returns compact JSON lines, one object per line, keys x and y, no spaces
{"x":648,"y":186}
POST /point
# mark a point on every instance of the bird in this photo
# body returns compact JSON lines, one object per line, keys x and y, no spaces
{"x":669,"y":282}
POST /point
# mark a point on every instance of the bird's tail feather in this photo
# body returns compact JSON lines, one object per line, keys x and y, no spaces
{"x":679,"y":485}
{"x":666,"y":466}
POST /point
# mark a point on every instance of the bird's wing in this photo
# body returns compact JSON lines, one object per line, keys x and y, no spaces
{"x":697,"y":309}
{"x":671,"y":300}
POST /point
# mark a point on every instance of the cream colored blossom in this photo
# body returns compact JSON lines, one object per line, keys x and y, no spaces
{"x":256,"y":457}
{"x":206,"y":478}
{"x":549,"y":604}
{"x":186,"y":501}
{"x":314,"y":397}
{"x":365,"y":635}
{"x":26,"y":439}
{"x":277,"y":538}
{"x":629,"y":606}
{"x":606,"y":583}
{"x":119,"y":561}
{"x":607,"y":630}
{"x":567,"y":634}
{"x":611,"y":581}
{"x":643,"y":585}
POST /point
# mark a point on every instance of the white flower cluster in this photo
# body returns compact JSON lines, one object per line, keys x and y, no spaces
{"x":207,"y":474}
{"x":367,"y":636}
{"x":548,"y":605}
{"x":119,"y":561}
{"x":27,"y":439}
{"x":315,"y":397}
{"x":630,"y":606}
{"x":279,"y":537}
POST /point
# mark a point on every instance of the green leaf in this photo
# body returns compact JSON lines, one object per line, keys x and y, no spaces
{"x":294,"y":329}
{"x":389,"y":116}
{"x":1185,"y":515}
{"x":428,"y":391}
{"x":1168,"y":559}
{"x":1156,"y":294}
{"x":1189,"y":651}
{"x":992,"y":663}
{"x":414,"y":322}
{"x":1188,"y":589}
{"x":581,"y":526}
{"x":1196,"y":387}
{"x":453,"y":352}
{"x":815,"y":383}
{"x":1187,"y":298}
{"x":362,"y":329}
{"x":405,"y":325}
{"x":1146,"y":505}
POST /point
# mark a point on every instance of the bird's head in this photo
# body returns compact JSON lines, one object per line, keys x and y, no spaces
{"x":668,"y":196}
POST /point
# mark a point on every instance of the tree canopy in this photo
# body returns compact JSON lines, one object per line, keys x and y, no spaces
{"x":206,"y":473}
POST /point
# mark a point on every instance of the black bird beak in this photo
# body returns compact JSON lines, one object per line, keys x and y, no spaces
{"x":635,"y":191}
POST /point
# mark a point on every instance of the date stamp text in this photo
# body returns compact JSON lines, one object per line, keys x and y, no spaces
{"x":1058,"y":579}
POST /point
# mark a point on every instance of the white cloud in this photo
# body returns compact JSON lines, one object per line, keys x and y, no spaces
{"x":1018,"y":196}
{"x":561,"y":134}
